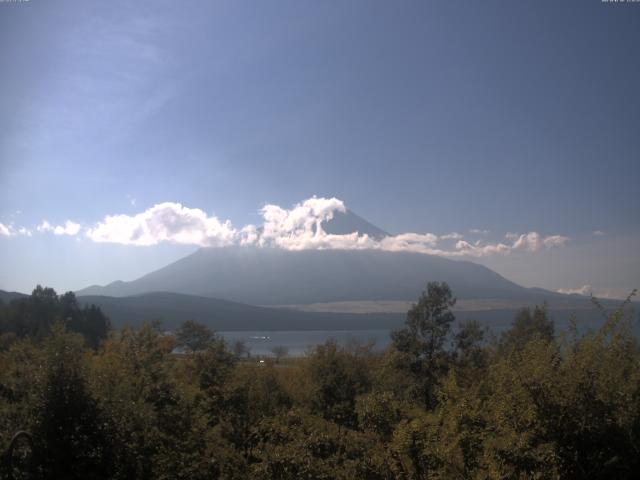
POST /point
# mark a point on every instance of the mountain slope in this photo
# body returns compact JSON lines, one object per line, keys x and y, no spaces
{"x":6,"y":297}
{"x":349,"y":222}
{"x":271,"y":276}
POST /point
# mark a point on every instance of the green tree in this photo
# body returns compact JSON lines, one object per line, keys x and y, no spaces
{"x":249,"y":396}
{"x":295,"y":445}
{"x":89,"y":321}
{"x":526,"y":326}
{"x":194,"y":336}
{"x":280,"y":352}
{"x":422,"y":340}
{"x":379,"y":412}
{"x":240,"y":349}
{"x":472,"y":357}
{"x":33,"y":316}
{"x":151,"y":404}
{"x":72,"y":441}
{"x":335,"y":377}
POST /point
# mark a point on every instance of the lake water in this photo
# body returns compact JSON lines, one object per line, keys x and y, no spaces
{"x":298,"y":342}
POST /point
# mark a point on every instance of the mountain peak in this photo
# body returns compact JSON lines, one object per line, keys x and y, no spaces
{"x":348,"y":222}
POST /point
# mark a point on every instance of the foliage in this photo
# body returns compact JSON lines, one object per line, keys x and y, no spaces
{"x":335,"y":378}
{"x":530,"y":405}
{"x":35,"y":315}
{"x":280,"y":352}
{"x":194,"y":336}
{"x":69,"y":431}
{"x":240,"y":349}
{"x":422,"y":340}
{"x":528,"y":326}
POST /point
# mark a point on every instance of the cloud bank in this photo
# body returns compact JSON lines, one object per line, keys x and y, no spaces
{"x":165,"y":222}
{"x":301,"y":227}
{"x":298,"y":228}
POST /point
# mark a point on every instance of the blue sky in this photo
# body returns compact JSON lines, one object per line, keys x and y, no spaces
{"x":427,"y":117}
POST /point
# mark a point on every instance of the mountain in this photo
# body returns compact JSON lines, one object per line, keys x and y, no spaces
{"x":272,"y":276}
{"x":349,"y":222}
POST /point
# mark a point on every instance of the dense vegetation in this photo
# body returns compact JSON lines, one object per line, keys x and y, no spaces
{"x":443,"y":401}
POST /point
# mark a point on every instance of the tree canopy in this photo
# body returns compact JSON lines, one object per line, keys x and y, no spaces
{"x":35,"y":315}
{"x":443,"y":401}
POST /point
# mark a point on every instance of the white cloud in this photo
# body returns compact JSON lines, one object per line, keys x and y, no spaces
{"x":69,"y":228}
{"x":412,"y":242}
{"x":300,"y":228}
{"x":587,"y":290}
{"x":598,"y":233}
{"x":478,"y":231}
{"x":555,"y":241}
{"x":479,"y":249}
{"x":249,"y":235}
{"x":44,"y":227}
{"x":165,"y":222}
{"x":297,"y":228}
{"x":10,"y":231}
{"x":533,"y":241}
{"x":584,"y":290}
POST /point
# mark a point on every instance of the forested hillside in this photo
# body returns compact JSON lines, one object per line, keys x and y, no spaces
{"x":441,"y":402}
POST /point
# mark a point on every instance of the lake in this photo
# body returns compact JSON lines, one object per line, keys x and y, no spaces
{"x":298,"y":341}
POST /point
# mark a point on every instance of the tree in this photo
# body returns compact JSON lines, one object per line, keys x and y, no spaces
{"x":378,"y":412}
{"x":194,"y":336}
{"x":33,"y":316}
{"x":70,"y":431}
{"x":250,"y":395}
{"x":89,"y":321}
{"x":41,"y":309}
{"x":422,"y":340}
{"x":280,"y":352}
{"x":335,"y":378}
{"x":240,"y":349}
{"x":527,"y":326}
{"x":471,"y":356}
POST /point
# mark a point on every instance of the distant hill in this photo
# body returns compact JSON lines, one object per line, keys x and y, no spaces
{"x":221,"y":315}
{"x":6,"y":297}
{"x":174,"y":308}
